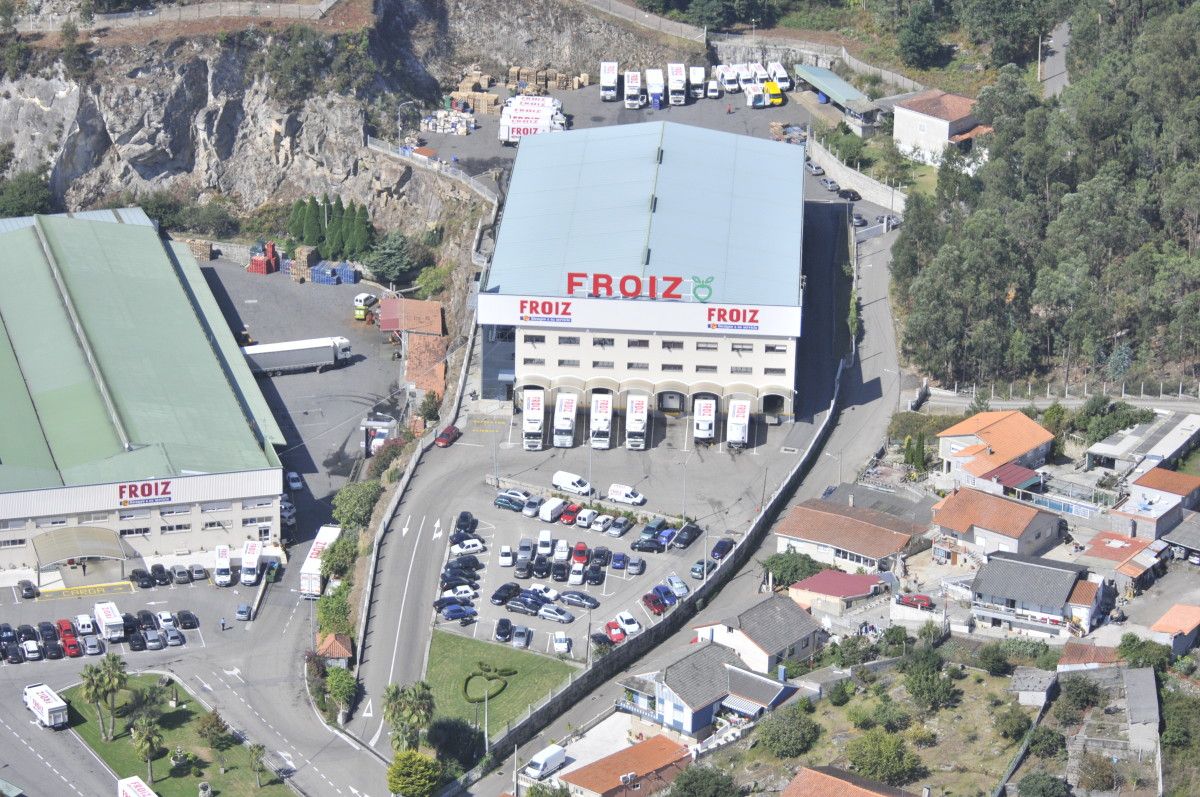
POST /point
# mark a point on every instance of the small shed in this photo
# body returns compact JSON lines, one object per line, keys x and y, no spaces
{"x":336,"y":649}
{"x":1178,"y":628}
{"x":1141,"y":706}
{"x":1032,"y":686}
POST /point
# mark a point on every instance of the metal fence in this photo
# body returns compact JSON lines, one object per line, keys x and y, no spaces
{"x":182,"y":13}
{"x":645,"y":19}
{"x":434,"y":165}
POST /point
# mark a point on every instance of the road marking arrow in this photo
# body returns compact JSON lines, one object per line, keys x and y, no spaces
{"x":404,"y":531}
{"x":367,"y":712}
{"x":437,"y":528}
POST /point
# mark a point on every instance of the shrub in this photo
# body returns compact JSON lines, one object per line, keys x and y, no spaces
{"x":1079,"y":692}
{"x":861,"y":716}
{"x":1098,"y":772}
{"x":991,"y":658}
{"x":1041,"y":784}
{"x":389,"y":453}
{"x":788,"y":732}
{"x":839,"y":694}
{"x":1185,"y":665}
{"x":885,"y":757}
{"x":921,"y":736}
{"x":1066,"y":714}
{"x":1011,"y":722}
{"x":1046,"y":742}
{"x":854,"y":650}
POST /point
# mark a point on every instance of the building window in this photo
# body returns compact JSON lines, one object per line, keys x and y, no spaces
{"x":93,"y":517}
{"x":254,"y":521}
{"x":257,"y":503}
{"x":167,"y":511}
{"x":672,"y":367}
{"x":673,"y":345}
{"x":639,"y":343}
{"x":638,"y":366}
{"x":217,"y":506}
{"x":12,"y":524}
{"x":774,"y":371}
{"x":706,"y":346}
{"x":535,"y":338}
{"x":742,"y":348}
{"x":133,"y":514}
{"x":602,"y":363}
{"x":741,"y":369}
{"x":776,"y":348}
{"x":264,"y":534}
{"x":214,"y":524}
{"x":175,"y":528}
{"x":143,"y":531}
{"x":568,"y":363}
{"x":568,"y":340}
{"x":603,"y":341}
{"x":43,"y":522}
{"x":706,"y":369}
{"x":534,"y":361}
{"x":13,"y":543}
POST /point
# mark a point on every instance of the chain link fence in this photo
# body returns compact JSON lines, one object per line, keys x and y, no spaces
{"x":645,"y":19}
{"x":182,"y":13}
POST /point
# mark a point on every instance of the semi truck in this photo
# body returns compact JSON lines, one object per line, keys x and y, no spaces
{"x":704,"y":416}
{"x":696,"y":82}
{"x":677,"y":84}
{"x":46,"y":705}
{"x":737,"y":425}
{"x":634,"y":98}
{"x":109,"y":624}
{"x":533,"y":409}
{"x":516,"y":123}
{"x":564,"y":420}
{"x":656,"y":88}
{"x":636,"y":410}
{"x":601,"y":420}
{"x":608,"y":81}
{"x":294,"y":356}
{"x":310,"y":572}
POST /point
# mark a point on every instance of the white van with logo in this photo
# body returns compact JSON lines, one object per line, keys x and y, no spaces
{"x":571,"y":483}
{"x":552,"y":510}
{"x":624,"y":494}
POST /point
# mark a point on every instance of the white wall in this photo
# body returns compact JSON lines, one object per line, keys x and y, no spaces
{"x":750,"y":654}
{"x":921,"y":137}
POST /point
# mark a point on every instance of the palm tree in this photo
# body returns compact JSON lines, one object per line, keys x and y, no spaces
{"x":415,"y":705}
{"x":115,"y":679}
{"x":391,"y":708}
{"x":144,"y":701}
{"x":92,"y":690}
{"x":257,"y":752}
{"x":147,"y":740}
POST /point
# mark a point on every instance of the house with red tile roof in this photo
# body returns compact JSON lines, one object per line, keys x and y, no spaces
{"x":846,"y":537}
{"x":647,"y":767}
{"x":987,"y":523}
{"x":1184,"y":485}
{"x":1178,"y":628}
{"x":834,"y":782}
{"x":834,"y":592}
{"x":926,"y":124}
{"x":1078,"y":655}
{"x":992,"y":451}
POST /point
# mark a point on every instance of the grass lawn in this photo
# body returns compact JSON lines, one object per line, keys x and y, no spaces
{"x":178,"y":728}
{"x":1191,"y":464}
{"x":452,"y":658}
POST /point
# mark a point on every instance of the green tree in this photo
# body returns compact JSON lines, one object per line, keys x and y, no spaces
{"x":1011,"y":722}
{"x":339,"y":558}
{"x":544,"y":790}
{"x":413,"y":774}
{"x":433,"y":280}
{"x":1045,"y":742}
{"x":147,"y":741}
{"x":415,"y":709}
{"x":702,"y":781}
{"x":295,"y":225}
{"x":354,"y":503}
{"x":918,"y":39}
{"x":144,"y":702}
{"x":211,"y":727}
{"x":312,"y":223}
{"x":257,"y":753}
{"x":72,"y":52}
{"x":392,"y":259}
{"x":430,"y":408}
{"x":885,"y":757}
{"x":115,"y":677}
{"x":992,"y":658}
{"x":93,"y":690}
{"x":840,"y":692}
{"x":8,"y":17}
{"x":1078,"y":692}
{"x":24,"y":194}
{"x":708,"y":13}
{"x":788,"y":732}
{"x":788,"y":567}
{"x":1043,"y":784}
{"x":854,"y":650}
{"x":87,"y":12}
{"x":333,"y":611}
{"x":341,"y":687}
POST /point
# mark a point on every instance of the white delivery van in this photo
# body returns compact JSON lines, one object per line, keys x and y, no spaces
{"x":634,"y":98}
{"x":713,"y":92}
{"x":677,"y":84}
{"x":779,"y":75}
{"x":551,"y":510}
{"x":546,"y":761}
{"x":704,"y":414}
{"x":624,"y":494}
{"x":533,"y":418}
{"x":756,"y":97}
{"x":745,"y":76}
{"x":571,"y":483}
{"x":251,"y":553}
{"x":608,"y":81}
{"x":696,"y":82}
{"x":46,"y":705}
{"x":759,"y":73}
{"x":737,"y":427}
{"x":83,"y":622}
{"x":545,"y":546}
{"x":728,"y":76}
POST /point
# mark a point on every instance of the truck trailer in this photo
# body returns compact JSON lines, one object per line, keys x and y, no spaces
{"x":533,"y":410}
{"x":737,"y":425}
{"x":636,"y":410}
{"x":46,"y":705}
{"x":608,"y":81}
{"x":696,"y":82}
{"x":310,"y":572}
{"x":677,"y":84}
{"x":601,"y":420}
{"x":530,"y":102}
{"x":656,"y":88}
{"x":294,"y":356}
{"x":704,"y":415}
{"x":634,"y":98}
{"x":109,"y":624}
{"x":564,"y":420}
{"x":516,"y":123}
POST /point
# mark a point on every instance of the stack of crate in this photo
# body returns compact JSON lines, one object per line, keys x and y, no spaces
{"x":348,"y":274}
{"x":448,"y":122}
{"x":261,"y":264}
{"x":325,"y":273}
{"x":201,"y":250}
{"x":303,"y":260}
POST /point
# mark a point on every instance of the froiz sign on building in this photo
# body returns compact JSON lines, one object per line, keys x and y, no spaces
{"x":635,"y":286}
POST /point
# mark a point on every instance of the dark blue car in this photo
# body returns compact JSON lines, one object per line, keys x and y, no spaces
{"x":722,"y":548}
{"x":457,"y":612}
{"x":664,"y":592}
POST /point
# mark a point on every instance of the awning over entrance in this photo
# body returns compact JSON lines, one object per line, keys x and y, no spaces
{"x":743,"y":706}
{"x":80,"y":542}
{"x":1014,"y":476}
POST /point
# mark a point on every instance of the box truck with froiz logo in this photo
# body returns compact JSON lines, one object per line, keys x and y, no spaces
{"x":737,"y":425}
{"x":636,"y":411}
{"x":533,"y":410}
{"x":134,"y":787}
{"x":109,"y":624}
{"x":310,"y":571}
{"x":728,"y":76}
{"x":46,"y":705}
{"x":635,"y":98}
{"x":677,"y":84}
{"x":656,"y":88}
{"x":696,"y":82}
{"x":251,"y":552}
{"x":704,"y":420}
{"x":516,"y":123}
{"x":564,"y":420}
{"x":601,"y":420}
{"x":780,"y":75}
{"x":608,"y":81}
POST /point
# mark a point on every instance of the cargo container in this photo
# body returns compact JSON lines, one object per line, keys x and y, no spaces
{"x":46,"y":705}
{"x":310,"y":572}
{"x":636,"y":409}
{"x":533,"y":410}
{"x":297,"y":355}
{"x":608,"y":81}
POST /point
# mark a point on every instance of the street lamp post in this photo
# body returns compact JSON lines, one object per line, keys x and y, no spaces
{"x":838,"y":457}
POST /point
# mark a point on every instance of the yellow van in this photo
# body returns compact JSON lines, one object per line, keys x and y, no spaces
{"x":774,"y":94}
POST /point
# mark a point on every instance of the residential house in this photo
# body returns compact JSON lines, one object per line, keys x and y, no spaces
{"x":988,"y":523}
{"x":686,"y":695}
{"x":1032,"y":685}
{"x":1172,"y":482}
{"x":409,"y":317}
{"x":1185,"y":538}
{"x":1078,"y":655}
{"x":1031,"y":595}
{"x":648,"y":767}
{"x":420,"y":328}
{"x":1146,"y":513}
{"x":994,"y":451}
{"x":833,"y":592}
{"x":1177,"y":628}
{"x":1130,"y":563}
{"x":336,"y":649}
{"x":834,"y":782}
{"x":846,"y":537}
{"x":767,"y":634}
{"x":925,"y":124}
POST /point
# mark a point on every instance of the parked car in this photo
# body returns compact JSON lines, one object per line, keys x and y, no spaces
{"x":181,"y":574}
{"x":889,"y":221}
{"x":174,"y":637}
{"x":129,"y":623}
{"x":506,"y":558}
{"x":71,"y":646}
{"x":687,"y":535}
{"x":27,"y":589}
{"x":136,"y":641}
{"x":508,"y":502}
{"x":580,"y":555}
{"x":580,"y":600}
{"x":600,"y":641}
{"x":585,"y":517}
{"x":601,"y":556}
{"x":468,"y":561}
{"x":576,"y":576}
{"x":677,"y":586}
{"x":165,"y":620}
{"x":829,"y":184}
{"x":602,"y":523}
{"x":562,"y":551}
{"x":160,"y":575}
{"x":141,"y":578}
{"x":146,"y":620}
{"x":619,"y":560}
{"x":294,"y":482}
{"x":653,"y":603}
{"x":454,"y":582}
{"x":541,"y":566}
{"x":850,"y":194}
{"x":504,"y":629}
{"x":186,"y":619}
{"x":458,"y":612}
{"x":65,"y":628}
{"x":722,"y":548}
{"x":524,"y":550}
{"x":521,"y":637}
{"x":442,"y":603}
{"x":858,"y":220}
{"x":523,"y":606}
{"x":652,"y":528}
{"x":523,"y":569}
{"x":556,"y":613}
{"x":666,"y":536}
{"x":463,"y":536}
{"x":916,"y":601}
{"x":562,"y":643}
{"x":26,"y":633}
{"x":665,"y":594}
{"x":628,"y":623}
{"x":544,"y":590}
{"x":648,"y":546}
{"x":47,"y":632}
{"x":52,"y":650}
{"x":31,"y":651}
{"x":461,"y":591}
{"x":702,"y":568}
{"x":636,"y":566}
{"x":198,"y":572}
{"x":520,"y":495}
{"x":243,"y":612}
{"x":154,"y":640}
{"x":505,"y":592}
{"x":594,"y":574}
{"x":570,"y":514}
{"x":7,"y":634}
{"x":619,"y":527}
{"x":465,"y":522}
{"x":614,"y":631}
{"x":447,"y":437}
{"x":92,"y":645}
{"x":466,"y":546}
{"x":813,"y":169}
{"x":12,"y":653}
{"x":532,"y":506}
{"x":560,"y":571}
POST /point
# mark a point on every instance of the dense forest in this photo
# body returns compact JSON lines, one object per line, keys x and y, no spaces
{"x":1076,"y":245}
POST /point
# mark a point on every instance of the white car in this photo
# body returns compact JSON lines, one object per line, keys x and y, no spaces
{"x":601,"y":523}
{"x":562,"y":551}
{"x":628,"y":624}
{"x":294,"y":482}
{"x":585,"y":517}
{"x":461,"y":591}
{"x":32,"y":650}
{"x":465,"y":547}
{"x":676,"y":584}
{"x":562,"y":642}
{"x":547,"y":592}
{"x":576,"y":576}
{"x":507,"y":557}
{"x":165,"y":620}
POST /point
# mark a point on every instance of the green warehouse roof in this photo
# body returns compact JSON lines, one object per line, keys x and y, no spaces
{"x":114,"y":361}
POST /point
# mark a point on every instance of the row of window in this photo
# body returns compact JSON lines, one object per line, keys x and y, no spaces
{"x":144,"y":531}
{"x":668,"y":345}
{"x":674,"y":367}
{"x":143,"y":513}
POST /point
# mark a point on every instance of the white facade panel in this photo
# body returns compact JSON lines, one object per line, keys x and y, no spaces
{"x":920,"y":137}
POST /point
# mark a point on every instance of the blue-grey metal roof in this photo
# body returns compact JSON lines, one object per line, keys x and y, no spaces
{"x":654,"y":199}
{"x":135,"y":216}
{"x":1027,"y":579}
{"x":834,"y":87}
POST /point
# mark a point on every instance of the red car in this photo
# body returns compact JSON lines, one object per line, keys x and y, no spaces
{"x":71,"y":646}
{"x":916,"y":601}
{"x":570,"y":514}
{"x":581,"y":554}
{"x":615,"y":634}
{"x":653,"y":603}
{"x":448,"y":436}
{"x":65,"y":628}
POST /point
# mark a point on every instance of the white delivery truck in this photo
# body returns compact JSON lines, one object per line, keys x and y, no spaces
{"x":704,"y":417}
{"x":737,"y":425}
{"x":636,"y":410}
{"x":677,"y":84}
{"x":564,"y":420}
{"x":634,"y":98}
{"x":608,"y":81}
{"x":744,"y":76}
{"x":251,"y":553}
{"x":656,"y":88}
{"x":533,"y":411}
{"x":696,"y":82}
{"x":760,"y":73}
{"x":779,"y":75}
{"x":222,"y":570}
{"x":293,"y":356}
{"x":310,"y":571}
{"x":134,"y":787}
{"x":109,"y":624}
{"x":601,"y":420}
{"x":728,"y":76}
{"x":515,"y":124}
{"x":755,"y":96}
{"x":46,"y":705}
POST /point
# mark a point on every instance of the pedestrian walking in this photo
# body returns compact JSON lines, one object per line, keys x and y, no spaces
{"x":222,"y":623}
{"x":729,"y":109}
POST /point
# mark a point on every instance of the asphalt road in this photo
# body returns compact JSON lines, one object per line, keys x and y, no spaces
{"x":1054,"y":60}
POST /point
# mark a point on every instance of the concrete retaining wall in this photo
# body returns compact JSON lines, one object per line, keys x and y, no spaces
{"x":871,"y":189}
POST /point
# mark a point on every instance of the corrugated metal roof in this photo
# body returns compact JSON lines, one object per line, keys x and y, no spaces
{"x":1141,"y":696}
{"x":600,"y":201}
{"x":834,"y":87}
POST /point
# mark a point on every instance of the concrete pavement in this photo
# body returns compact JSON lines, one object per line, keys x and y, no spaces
{"x":1054,"y":60}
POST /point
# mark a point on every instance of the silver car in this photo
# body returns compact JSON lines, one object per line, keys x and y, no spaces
{"x":92,"y":645}
{"x":677,"y":586}
{"x":154,"y":640}
{"x":533,"y":506}
{"x":198,"y":572}
{"x":174,"y":637}
{"x":524,"y":550}
{"x":521,"y":636}
{"x":556,"y":613}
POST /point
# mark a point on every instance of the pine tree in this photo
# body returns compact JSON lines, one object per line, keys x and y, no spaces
{"x":312,"y":222}
{"x":335,"y":233}
{"x":350,"y":231}
{"x":364,"y":234}
{"x":296,"y":220}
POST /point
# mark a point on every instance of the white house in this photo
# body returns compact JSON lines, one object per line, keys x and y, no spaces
{"x":767,"y":634}
{"x":925,"y":124}
{"x":989,"y":523}
{"x":994,"y":450}
{"x":846,"y":537}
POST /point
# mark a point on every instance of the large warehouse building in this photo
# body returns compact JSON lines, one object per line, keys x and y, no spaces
{"x":132,"y":424}
{"x":653,"y":258}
